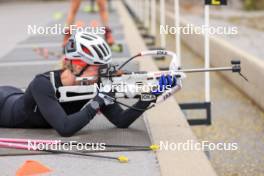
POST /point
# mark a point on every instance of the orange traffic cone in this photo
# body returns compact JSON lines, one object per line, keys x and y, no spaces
{"x":31,"y":167}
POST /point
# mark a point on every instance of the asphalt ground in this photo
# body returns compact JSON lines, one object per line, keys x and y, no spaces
{"x":21,"y":64}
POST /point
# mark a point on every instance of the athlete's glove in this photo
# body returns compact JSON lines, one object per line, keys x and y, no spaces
{"x":107,"y":98}
{"x":103,"y":98}
{"x":107,"y":95}
{"x":165,"y":83}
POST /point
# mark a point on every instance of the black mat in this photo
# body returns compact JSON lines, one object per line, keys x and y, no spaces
{"x":99,"y":130}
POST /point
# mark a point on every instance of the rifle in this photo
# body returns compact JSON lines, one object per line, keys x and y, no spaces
{"x":126,"y":84}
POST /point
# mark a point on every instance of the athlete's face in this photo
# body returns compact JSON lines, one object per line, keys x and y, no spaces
{"x":91,"y":71}
{"x":76,"y":67}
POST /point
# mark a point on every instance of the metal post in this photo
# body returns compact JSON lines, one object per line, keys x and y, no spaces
{"x":138,"y":9}
{"x":207,"y":52}
{"x":162,"y":22}
{"x":132,"y":6}
{"x":146,"y":14}
{"x":177,"y":24}
{"x":141,"y":11}
{"x":153,"y":18}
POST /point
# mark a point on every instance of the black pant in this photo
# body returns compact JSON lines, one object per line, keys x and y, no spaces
{"x":8,"y":96}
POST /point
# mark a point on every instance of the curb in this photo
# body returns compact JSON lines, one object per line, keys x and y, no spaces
{"x":166,"y":122}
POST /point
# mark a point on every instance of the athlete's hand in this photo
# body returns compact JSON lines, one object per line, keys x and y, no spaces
{"x":165,"y":83}
{"x":107,"y":94}
{"x":103,"y":99}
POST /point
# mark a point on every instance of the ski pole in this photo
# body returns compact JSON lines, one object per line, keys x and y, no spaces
{"x":18,"y":140}
{"x":121,"y":159}
{"x":89,"y":151}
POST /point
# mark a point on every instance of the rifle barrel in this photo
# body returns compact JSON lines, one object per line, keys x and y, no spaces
{"x":206,"y":69}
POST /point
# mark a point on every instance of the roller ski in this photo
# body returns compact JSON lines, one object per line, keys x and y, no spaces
{"x":91,"y":8}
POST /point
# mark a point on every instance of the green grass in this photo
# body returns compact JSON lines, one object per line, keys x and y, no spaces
{"x":254,"y":4}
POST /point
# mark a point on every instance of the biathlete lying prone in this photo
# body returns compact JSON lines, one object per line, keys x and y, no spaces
{"x":38,"y":107}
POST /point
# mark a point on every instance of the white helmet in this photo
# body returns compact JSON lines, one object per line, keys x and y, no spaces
{"x":89,"y":48}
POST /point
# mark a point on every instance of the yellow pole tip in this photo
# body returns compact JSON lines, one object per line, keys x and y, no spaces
{"x":123,"y":159}
{"x":154,"y":147}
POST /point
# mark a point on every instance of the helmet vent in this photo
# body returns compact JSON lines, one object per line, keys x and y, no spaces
{"x":101,"y":48}
{"x":86,"y":50}
{"x":97,"y":52}
{"x":70,"y":47}
{"x":87,"y":38}
{"x":106,"y":48}
{"x":91,"y":36}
